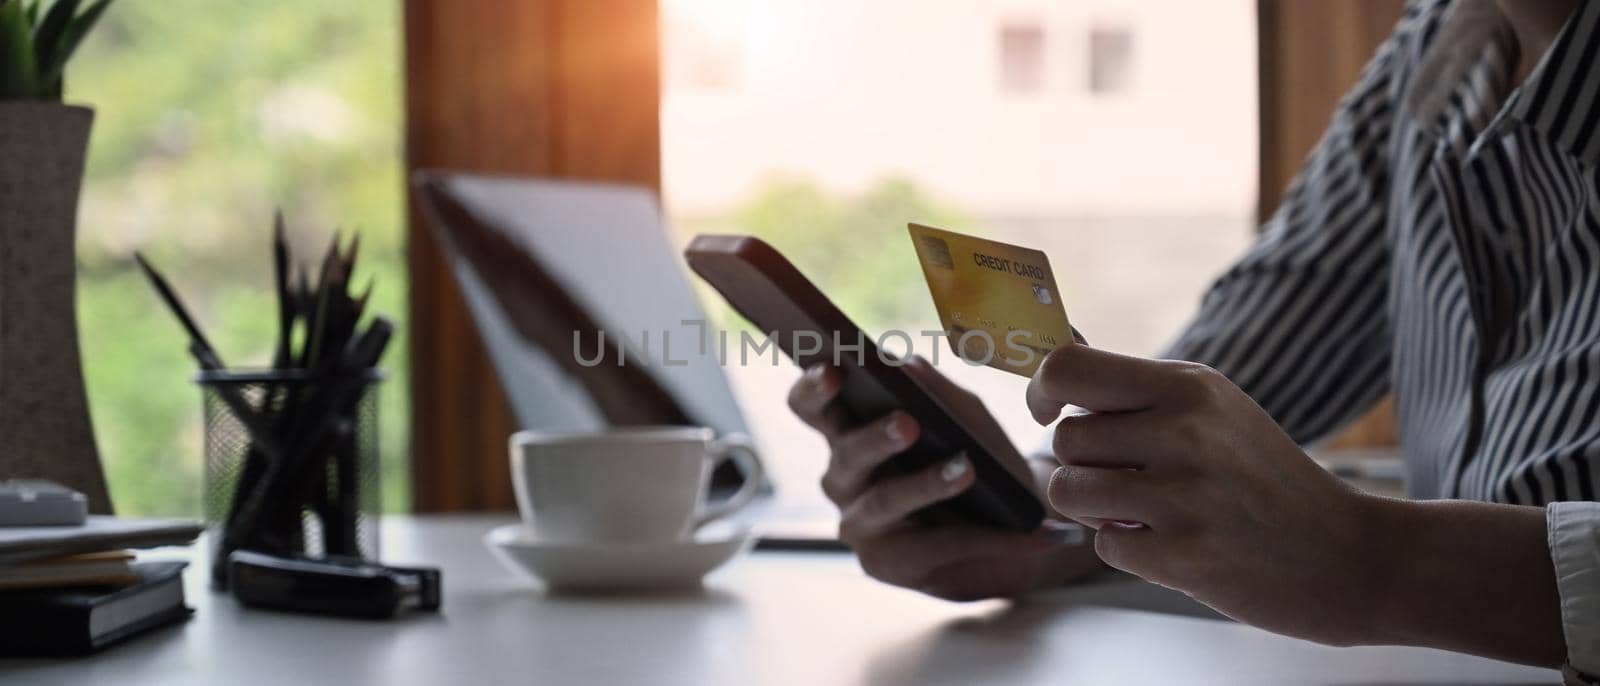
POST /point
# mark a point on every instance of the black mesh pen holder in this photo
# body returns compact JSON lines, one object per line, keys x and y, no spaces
{"x":291,"y":464}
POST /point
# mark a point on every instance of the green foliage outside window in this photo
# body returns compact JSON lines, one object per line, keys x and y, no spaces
{"x":208,"y":116}
{"x":853,"y":246}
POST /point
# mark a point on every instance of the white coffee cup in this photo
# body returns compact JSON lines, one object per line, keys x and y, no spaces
{"x":625,"y":484}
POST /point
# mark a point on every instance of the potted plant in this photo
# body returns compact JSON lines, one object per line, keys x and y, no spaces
{"x":44,"y":414}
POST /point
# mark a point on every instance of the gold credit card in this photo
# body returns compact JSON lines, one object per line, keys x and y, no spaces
{"x":998,"y":303}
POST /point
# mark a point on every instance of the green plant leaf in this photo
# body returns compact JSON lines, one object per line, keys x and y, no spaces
{"x":47,"y":33}
{"x":17,"y":68}
{"x":32,"y":7}
{"x":50,"y":71}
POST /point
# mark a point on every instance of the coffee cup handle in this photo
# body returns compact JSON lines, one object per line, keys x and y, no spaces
{"x":741,"y":449}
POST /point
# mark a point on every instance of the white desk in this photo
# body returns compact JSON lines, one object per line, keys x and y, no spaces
{"x":777,"y":618}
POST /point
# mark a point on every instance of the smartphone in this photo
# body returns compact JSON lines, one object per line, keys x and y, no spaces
{"x":768,"y":290}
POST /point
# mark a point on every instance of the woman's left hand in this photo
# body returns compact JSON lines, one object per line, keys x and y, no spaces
{"x":1193,"y":486}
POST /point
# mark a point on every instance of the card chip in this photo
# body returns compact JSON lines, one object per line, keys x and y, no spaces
{"x":937,"y":252}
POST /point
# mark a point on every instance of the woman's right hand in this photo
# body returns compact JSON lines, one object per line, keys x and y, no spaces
{"x":955,"y":562}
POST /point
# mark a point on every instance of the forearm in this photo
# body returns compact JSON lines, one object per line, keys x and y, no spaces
{"x":1466,"y":576}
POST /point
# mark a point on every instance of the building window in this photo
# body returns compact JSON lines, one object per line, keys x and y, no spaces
{"x":1021,"y":57}
{"x":1110,"y":59}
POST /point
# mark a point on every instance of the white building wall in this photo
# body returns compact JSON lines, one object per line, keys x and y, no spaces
{"x":851,"y":91}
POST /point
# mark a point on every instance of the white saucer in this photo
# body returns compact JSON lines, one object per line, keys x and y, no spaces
{"x":643,"y":566}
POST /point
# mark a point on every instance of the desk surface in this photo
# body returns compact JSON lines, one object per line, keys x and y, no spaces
{"x":768,"y":618}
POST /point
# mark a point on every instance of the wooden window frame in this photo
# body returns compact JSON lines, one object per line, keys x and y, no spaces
{"x":1310,"y":53}
{"x":552,"y":88}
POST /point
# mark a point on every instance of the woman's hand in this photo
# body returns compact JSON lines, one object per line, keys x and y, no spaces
{"x":953,"y":562}
{"x":1193,"y":486}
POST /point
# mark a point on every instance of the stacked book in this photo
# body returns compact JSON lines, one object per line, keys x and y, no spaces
{"x":74,"y":589}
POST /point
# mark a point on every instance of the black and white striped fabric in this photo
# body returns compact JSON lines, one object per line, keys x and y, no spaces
{"x":1442,"y":242}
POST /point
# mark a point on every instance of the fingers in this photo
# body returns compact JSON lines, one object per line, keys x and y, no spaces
{"x":859,"y":451}
{"x":1097,"y":380}
{"x":1117,"y":439}
{"x":891,"y":500}
{"x":1093,"y":494}
{"x":1130,"y":549}
{"x":811,"y":399}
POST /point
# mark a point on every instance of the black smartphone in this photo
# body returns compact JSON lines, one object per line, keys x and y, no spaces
{"x":769,"y":291}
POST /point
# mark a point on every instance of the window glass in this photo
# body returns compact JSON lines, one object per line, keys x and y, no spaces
{"x":208,"y":117}
{"x":854,"y":117}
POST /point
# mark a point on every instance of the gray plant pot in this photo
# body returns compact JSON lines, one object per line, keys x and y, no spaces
{"x":44,"y":414}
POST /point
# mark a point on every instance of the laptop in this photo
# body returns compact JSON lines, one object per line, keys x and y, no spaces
{"x":539,"y":259}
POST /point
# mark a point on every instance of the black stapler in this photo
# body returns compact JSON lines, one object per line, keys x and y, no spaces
{"x":345,"y":587}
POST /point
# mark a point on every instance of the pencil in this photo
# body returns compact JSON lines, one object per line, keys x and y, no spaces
{"x":202,"y":347}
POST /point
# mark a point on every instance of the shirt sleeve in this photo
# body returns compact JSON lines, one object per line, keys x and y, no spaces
{"x":1574,"y":536}
{"x":1300,"y":321}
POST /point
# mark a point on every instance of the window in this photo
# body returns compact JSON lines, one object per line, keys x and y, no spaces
{"x":203,"y":127}
{"x":1022,"y":57}
{"x":1110,"y":59}
{"x":701,"y":51}
{"x":861,"y":116}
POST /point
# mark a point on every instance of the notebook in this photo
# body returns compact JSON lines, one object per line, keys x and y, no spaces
{"x":20,"y":544}
{"x":110,"y":568}
{"x":83,"y":620}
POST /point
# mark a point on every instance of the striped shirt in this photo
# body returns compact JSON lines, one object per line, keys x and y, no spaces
{"x":1443,"y":242}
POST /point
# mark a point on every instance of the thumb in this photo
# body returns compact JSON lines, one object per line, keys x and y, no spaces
{"x":1096,"y":380}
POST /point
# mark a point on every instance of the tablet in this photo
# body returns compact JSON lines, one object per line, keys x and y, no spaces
{"x":769,"y":291}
